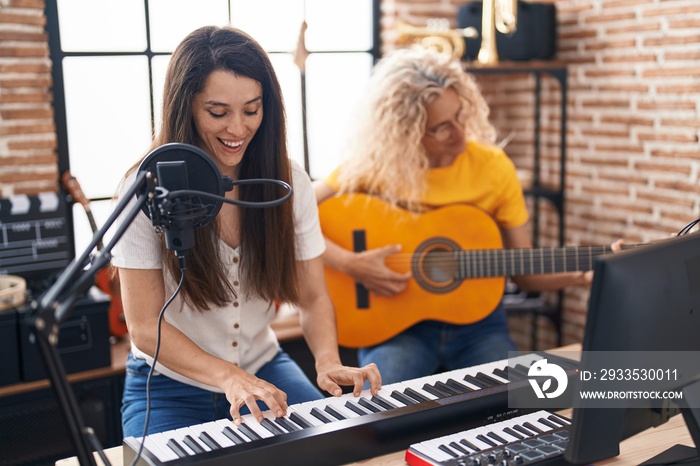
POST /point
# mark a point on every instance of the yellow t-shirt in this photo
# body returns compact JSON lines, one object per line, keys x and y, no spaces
{"x":482,"y":176}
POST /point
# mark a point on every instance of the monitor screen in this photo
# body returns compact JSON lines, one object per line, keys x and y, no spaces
{"x":646,"y":299}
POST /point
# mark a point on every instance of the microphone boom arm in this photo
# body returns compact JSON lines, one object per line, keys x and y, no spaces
{"x":54,"y":306}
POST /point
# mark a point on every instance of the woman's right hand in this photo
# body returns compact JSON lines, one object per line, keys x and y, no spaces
{"x":369,"y":268}
{"x":244,"y":389}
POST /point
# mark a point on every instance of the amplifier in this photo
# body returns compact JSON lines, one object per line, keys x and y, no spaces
{"x":9,"y":356}
{"x":83,"y":338}
{"x":535,"y":37}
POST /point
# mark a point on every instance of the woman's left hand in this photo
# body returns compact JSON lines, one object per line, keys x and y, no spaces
{"x":615,"y":247}
{"x":332,"y":376}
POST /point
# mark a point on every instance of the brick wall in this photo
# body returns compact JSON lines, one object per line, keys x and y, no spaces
{"x":28,"y":162}
{"x":633,"y":124}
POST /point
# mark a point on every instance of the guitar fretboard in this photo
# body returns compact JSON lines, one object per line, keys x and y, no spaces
{"x":503,"y":262}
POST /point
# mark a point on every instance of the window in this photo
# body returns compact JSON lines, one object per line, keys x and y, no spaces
{"x":110,"y":57}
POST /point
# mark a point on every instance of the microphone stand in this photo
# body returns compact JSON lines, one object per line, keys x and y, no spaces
{"x":51,"y":309}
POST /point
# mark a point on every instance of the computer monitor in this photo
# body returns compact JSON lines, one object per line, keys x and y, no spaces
{"x":646,"y":299}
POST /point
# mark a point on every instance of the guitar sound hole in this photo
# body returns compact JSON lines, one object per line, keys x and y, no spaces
{"x":435,"y":267}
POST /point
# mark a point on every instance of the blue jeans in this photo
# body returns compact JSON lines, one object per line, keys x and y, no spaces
{"x":430,"y":346}
{"x":175,"y":404}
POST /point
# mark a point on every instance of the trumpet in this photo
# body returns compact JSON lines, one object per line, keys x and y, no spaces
{"x":501,"y":15}
{"x":437,"y":36}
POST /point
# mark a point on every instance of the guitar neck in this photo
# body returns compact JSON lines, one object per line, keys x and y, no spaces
{"x":504,"y":262}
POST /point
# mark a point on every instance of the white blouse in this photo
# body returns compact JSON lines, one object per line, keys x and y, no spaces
{"x":238,"y":332}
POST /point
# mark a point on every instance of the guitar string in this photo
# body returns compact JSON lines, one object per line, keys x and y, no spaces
{"x":521,"y":260}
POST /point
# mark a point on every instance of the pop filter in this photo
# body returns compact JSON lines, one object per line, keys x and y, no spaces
{"x":202,"y":175}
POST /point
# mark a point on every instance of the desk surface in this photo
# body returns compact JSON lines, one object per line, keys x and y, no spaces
{"x":633,"y":451}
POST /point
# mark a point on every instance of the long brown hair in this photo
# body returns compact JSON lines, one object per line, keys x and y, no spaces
{"x":267,"y":236}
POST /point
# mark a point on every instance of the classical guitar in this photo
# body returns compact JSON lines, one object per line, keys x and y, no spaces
{"x":456,"y":257}
{"x":105,"y":280}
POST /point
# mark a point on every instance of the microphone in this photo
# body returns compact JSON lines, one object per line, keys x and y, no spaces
{"x":183,"y":167}
{"x":179,"y":237}
{"x":189,"y":192}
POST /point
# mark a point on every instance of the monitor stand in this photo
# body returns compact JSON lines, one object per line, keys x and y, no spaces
{"x":682,"y":454}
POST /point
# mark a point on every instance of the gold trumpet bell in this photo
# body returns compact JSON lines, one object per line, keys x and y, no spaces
{"x":437,"y":36}
{"x":497,"y":15}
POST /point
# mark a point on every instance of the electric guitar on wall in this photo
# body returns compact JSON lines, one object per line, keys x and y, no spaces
{"x":104,"y":279}
{"x":455,"y":254}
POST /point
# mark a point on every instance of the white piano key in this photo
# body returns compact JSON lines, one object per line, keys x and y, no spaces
{"x":417,"y":385}
{"x":339,"y":405}
{"x":305,"y":412}
{"x":431,"y":452}
{"x":155,"y":449}
{"x":161,"y":442}
{"x":533,"y":418}
{"x":223,"y":423}
{"x":192,"y":432}
{"x":255,"y":426}
{"x":498,"y":430}
{"x":178,"y":436}
{"x":472,"y":437}
{"x":214,"y":429}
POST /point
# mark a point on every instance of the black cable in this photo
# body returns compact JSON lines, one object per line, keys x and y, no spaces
{"x":686,"y":229}
{"x":255,"y":204}
{"x":155,"y":360}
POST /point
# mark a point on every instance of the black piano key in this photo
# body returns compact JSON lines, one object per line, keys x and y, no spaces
{"x":177,"y":448}
{"x":523,"y":430}
{"x":515,"y":434}
{"x":368,"y":405}
{"x":474,"y":381}
{"x":514,"y":375}
{"x":300,"y":420}
{"x":234,"y":436}
{"x":487,"y":441}
{"x":355,"y":408}
{"x":533,"y":428}
{"x":448,"y":450}
{"x":503,"y":374}
{"x":521,"y":369}
{"x":559,"y":420}
{"x":435,"y":391}
{"x":287,"y":424}
{"x":459,"y":448}
{"x":272,"y":427}
{"x":470,"y":445}
{"x":192,"y":443}
{"x":384,"y":403}
{"x":403,"y":398}
{"x":333,"y":412}
{"x":497,"y":437}
{"x":248,"y":431}
{"x":488,"y":379}
{"x":458,"y":385}
{"x":209,"y":441}
{"x":318,"y":414}
{"x":415,"y":395}
{"x":447,"y":389}
{"x":548,"y":423}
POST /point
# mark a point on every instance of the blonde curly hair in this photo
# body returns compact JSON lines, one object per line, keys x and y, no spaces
{"x":385,"y":154}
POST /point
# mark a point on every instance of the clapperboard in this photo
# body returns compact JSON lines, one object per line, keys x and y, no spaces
{"x":34,"y":235}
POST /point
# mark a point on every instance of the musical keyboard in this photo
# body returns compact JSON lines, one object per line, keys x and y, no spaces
{"x":535,"y":438}
{"x":343,"y":429}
